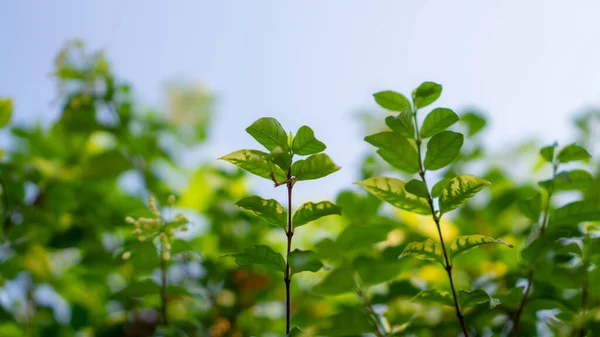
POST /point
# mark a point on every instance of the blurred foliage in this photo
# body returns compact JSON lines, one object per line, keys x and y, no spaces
{"x":71,"y":265}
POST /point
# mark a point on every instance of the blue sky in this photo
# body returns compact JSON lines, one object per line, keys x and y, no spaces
{"x":528,"y":64}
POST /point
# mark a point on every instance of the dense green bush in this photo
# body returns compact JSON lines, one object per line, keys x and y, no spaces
{"x":107,"y":231}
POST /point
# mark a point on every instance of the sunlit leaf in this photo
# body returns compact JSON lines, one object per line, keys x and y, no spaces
{"x":314,"y":167}
{"x":402,"y":124}
{"x":547,"y":152}
{"x":270,"y":210}
{"x":392,"y":100}
{"x":255,"y":162}
{"x":311,"y":211}
{"x":269,"y":133}
{"x":426,"y":250}
{"x":462,"y":244}
{"x":304,"y":261}
{"x":6,"y":108}
{"x":417,"y":188}
{"x":262,"y":255}
{"x":459,"y":190}
{"x":443,"y":149}
{"x":438,"y":188}
{"x":426,"y":93}
{"x":391,"y":190}
{"x":572,"y":152}
{"x":438,"y":120}
{"x":396,"y":150}
{"x":437,"y":296}
{"x":305,"y":143}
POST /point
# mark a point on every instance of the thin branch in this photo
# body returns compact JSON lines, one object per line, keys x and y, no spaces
{"x":375,"y":321}
{"x":289,"y":233}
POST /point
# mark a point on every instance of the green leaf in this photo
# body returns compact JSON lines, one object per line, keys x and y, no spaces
{"x":396,"y":150}
{"x":477,"y":296}
{"x":569,"y":180}
{"x":262,"y":255}
{"x":314,"y":167}
{"x":338,"y":281}
{"x":426,"y":250}
{"x":105,"y":165}
{"x":373,"y":271}
{"x":281,"y":159}
{"x":438,"y":120}
{"x":475,"y":122}
{"x":443,"y":149}
{"x":269,"y":133}
{"x":255,"y":162}
{"x":304,"y":261}
{"x":305,"y":143}
{"x":531,"y":207}
{"x":462,"y":244}
{"x":432,"y":295}
{"x":359,"y":236}
{"x":576,"y":212}
{"x":392,"y":191}
{"x":459,"y":190}
{"x":547,"y":152}
{"x":270,"y":210}
{"x":139,"y":289}
{"x":392,"y":100}
{"x":402,"y":124}
{"x":438,"y":188}
{"x":571,"y":153}
{"x":417,"y":188}
{"x":6,"y":108}
{"x":311,"y":211}
{"x":426,"y":93}
{"x":297,"y":332}
{"x":349,"y":323}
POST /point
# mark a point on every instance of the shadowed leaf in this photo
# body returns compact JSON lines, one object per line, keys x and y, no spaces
{"x":262,"y":255}
{"x":304,"y":261}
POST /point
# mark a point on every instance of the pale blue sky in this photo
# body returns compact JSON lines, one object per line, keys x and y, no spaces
{"x":528,"y":64}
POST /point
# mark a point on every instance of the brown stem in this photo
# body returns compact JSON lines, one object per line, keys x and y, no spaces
{"x":522,"y":304}
{"x":289,"y":233}
{"x":436,"y":219}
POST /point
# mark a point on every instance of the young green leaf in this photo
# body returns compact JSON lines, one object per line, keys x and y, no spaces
{"x":305,"y":143}
{"x":576,"y":212}
{"x":311,"y":211}
{"x":432,"y":295}
{"x":438,"y":120}
{"x":474,"y":122}
{"x":262,"y":255}
{"x":547,"y":152}
{"x":477,"y":296}
{"x":437,"y":189}
{"x":304,"y":261}
{"x":462,"y":244}
{"x":255,"y":162}
{"x":569,"y":180}
{"x":270,"y":210}
{"x":281,"y":159}
{"x":531,"y":207}
{"x":392,"y":100}
{"x":6,"y":108}
{"x":416,"y":187}
{"x":336,"y":282}
{"x":314,"y":167}
{"x":392,"y":191}
{"x":402,"y":124}
{"x":426,"y":93}
{"x":459,"y":190}
{"x":426,"y":250}
{"x":571,"y":153}
{"x":269,"y":133}
{"x":395,"y":150}
{"x":443,"y":149}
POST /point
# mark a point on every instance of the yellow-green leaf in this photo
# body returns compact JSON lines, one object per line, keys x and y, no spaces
{"x":392,"y":100}
{"x":6,"y":108}
{"x":572,"y":152}
{"x":270,"y":210}
{"x":396,"y":150}
{"x":255,"y":162}
{"x":426,"y":93}
{"x":314,"y":167}
{"x":402,"y":124}
{"x":269,"y":133}
{"x":474,"y":297}
{"x":425,"y":250}
{"x":262,"y":255}
{"x":392,"y":191}
{"x":311,"y":211}
{"x":462,"y":244}
{"x":438,"y":120}
{"x":305,"y":143}
{"x":433,"y":295}
{"x":459,"y":190}
{"x":443,"y":149}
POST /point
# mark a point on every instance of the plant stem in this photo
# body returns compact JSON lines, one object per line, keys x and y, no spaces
{"x":163,"y":286}
{"x":530,"y":275}
{"x":289,"y":233}
{"x":379,"y":330}
{"x":436,"y":219}
{"x":584,"y":286}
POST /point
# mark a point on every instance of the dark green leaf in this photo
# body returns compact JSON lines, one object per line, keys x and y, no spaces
{"x":462,"y":244}
{"x":338,"y":281}
{"x":417,"y":188}
{"x":179,"y":246}
{"x":443,"y":149}
{"x":262,"y":255}
{"x":269,"y":133}
{"x":396,"y":150}
{"x":438,"y":188}
{"x":140,"y":289}
{"x":314,"y":167}
{"x":392,"y":191}
{"x":105,"y":165}
{"x":547,"y":152}
{"x":432,"y":295}
{"x":531,"y":207}
{"x":296,"y":332}
{"x":402,"y":124}
{"x":477,"y":296}
{"x":305,"y":143}
{"x":348,"y":323}
{"x":438,"y":120}
{"x":426,"y":250}
{"x":304,"y":261}
{"x":311,"y":211}
{"x":576,"y":212}
{"x":270,"y":210}
{"x":6,"y":108}
{"x":392,"y":100}
{"x":358,"y":236}
{"x":281,"y":159}
{"x":373,"y":271}
{"x":255,"y":162}
{"x":426,"y":93}
{"x":569,"y":181}
{"x":459,"y":190}
{"x":571,"y":153}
